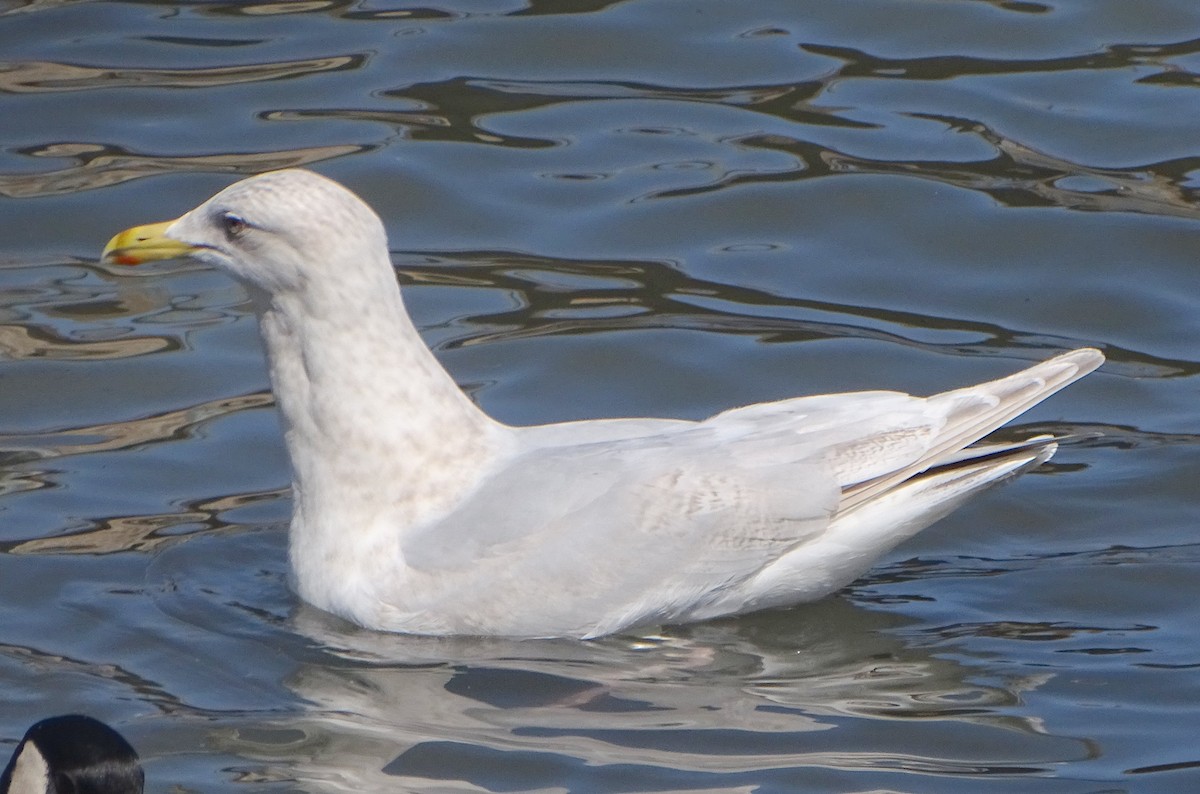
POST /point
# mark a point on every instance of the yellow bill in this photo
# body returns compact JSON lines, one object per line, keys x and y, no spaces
{"x":144,"y":244}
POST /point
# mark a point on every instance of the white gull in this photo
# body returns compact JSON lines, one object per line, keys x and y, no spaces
{"x":416,"y":512}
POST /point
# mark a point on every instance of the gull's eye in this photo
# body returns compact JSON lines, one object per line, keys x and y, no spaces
{"x":233,"y":224}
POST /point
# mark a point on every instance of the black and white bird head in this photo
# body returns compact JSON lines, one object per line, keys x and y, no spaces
{"x":72,"y":754}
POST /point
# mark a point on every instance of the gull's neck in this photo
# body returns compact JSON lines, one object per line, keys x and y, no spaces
{"x":380,"y":437}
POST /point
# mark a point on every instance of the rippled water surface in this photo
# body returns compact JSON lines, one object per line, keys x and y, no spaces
{"x":661,"y":207}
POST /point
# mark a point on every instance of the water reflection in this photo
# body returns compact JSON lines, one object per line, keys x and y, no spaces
{"x":1019,"y":175}
{"x":99,"y":165}
{"x":350,"y":9}
{"x":24,"y":341}
{"x":414,"y":125}
{"x":36,"y":77}
{"x":580,"y":297}
{"x":114,"y":436}
{"x":719,"y":701}
{"x":146,"y":533}
{"x":29,"y":6}
{"x":948,"y":67}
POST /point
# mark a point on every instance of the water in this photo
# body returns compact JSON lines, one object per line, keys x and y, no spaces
{"x":650,"y":207}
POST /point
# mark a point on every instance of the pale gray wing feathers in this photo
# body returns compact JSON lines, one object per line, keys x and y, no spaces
{"x":971,"y":413}
{"x":616,"y":533}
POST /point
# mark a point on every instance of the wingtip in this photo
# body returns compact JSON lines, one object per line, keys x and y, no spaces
{"x":1066,"y":368}
{"x":1086,"y":358}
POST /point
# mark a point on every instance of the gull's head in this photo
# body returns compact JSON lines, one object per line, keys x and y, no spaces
{"x":272,"y":230}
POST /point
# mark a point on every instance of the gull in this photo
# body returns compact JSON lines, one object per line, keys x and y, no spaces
{"x":416,"y":512}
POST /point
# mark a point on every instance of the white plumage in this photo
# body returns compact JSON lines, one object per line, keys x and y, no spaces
{"x":416,"y":512}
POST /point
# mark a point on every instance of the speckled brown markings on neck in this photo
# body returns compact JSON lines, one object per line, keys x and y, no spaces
{"x":365,"y":402}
